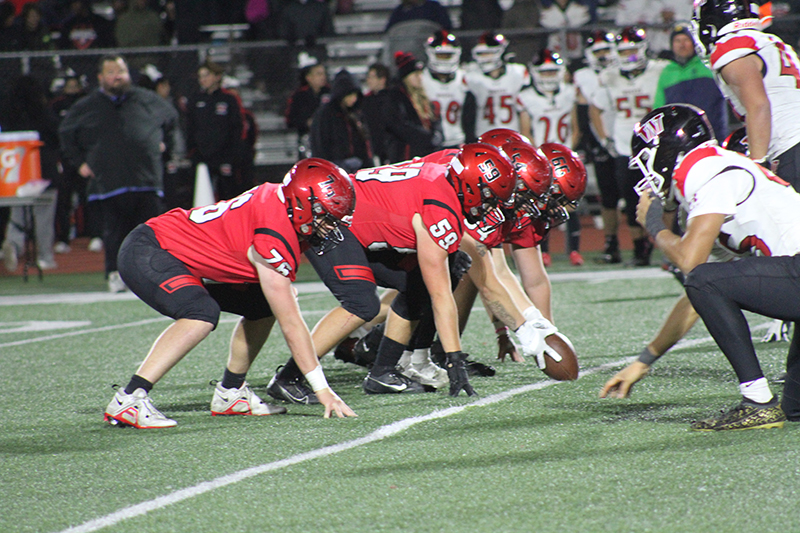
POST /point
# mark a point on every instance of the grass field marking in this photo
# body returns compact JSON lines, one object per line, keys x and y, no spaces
{"x":83,"y":332}
{"x":377,"y":435}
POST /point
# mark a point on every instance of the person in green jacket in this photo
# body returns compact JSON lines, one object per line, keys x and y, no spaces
{"x":687,"y":80}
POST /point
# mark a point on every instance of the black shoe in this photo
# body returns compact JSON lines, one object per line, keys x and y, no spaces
{"x":474,"y":368}
{"x":291,"y":390}
{"x":611,"y":254}
{"x":642,"y":249}
{"x":365,"y":349}
{"x":344,"y":352}
{"x":745,"y":415}
{"x":391,"y":383}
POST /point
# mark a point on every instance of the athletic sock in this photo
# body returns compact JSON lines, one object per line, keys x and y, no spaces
{"x":757,"y":390}
{"x":389,"y":353}
{"x":138,"y":382}
{"x":231,"y":380}
{"x":290,"y":371}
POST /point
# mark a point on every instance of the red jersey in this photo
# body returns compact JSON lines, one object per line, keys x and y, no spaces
{"x":212,"y":241}
{"x":388,"y":197}
{"x":530,"y":235}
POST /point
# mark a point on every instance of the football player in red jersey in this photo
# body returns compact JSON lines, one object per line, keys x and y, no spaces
{"x":240,"y":256}
{"x":407,"y":221}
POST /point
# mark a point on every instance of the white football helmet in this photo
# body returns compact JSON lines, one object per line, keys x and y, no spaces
{"x":488,"y":53}
{"x":599,"y":51}
{"x":548,"y":72}
{"x":631,"y":50}
{"x":444,"y":52}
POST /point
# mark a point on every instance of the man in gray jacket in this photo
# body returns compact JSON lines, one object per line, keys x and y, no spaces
{"x":115,"y":137}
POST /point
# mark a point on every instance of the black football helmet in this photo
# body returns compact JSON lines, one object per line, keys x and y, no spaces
{"x":737,"y":142}
{"x":714,"y":18}
{"x":659,"y":142}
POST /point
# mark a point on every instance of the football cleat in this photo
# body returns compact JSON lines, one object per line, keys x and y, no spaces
{"x":426,"y":373}
{"x":135,"y":410}
{"x":391,"y":383}
{"x":575,"y":258}
{"x":291,"y":390}
{"x":242,"y":401}
{"x":344,"y":351}
{"x":745,"y":415}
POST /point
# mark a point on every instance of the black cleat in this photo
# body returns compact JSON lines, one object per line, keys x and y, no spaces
{"x":745,"y":415}
{"x":291,"y":390}
{"x":344,"y":352}
{"x":474,"y":368}
{"x":392,"y":383}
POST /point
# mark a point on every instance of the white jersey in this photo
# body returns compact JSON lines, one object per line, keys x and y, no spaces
{"x":551,"y":114}
{"x":762,"y":212}
{"x":587,"y":80}
{"x":781,"y":81}
{"x":447,"y":99}
{"x":628,"y":99}
{"x":497,"y":102}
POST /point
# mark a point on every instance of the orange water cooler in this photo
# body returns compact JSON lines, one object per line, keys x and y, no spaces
{"x":19,"y":160}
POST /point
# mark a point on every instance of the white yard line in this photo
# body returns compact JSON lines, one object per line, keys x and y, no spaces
{"x":381,"y":433}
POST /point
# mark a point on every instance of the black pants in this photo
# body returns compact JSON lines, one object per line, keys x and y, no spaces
{"x":769,"y":286}
{"x":121,"y":214}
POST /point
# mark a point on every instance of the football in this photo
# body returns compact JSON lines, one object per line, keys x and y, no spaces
{"x":567,"y":369}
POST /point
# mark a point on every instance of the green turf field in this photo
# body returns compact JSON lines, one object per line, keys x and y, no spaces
{"x":528,"y":455}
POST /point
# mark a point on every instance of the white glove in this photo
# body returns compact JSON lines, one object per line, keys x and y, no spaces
{"x":778,"y":331}
{"x":531,"y":335}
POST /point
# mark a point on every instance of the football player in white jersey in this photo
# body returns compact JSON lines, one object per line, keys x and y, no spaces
{"x":495,"y":86}
{"x":759,"y":74}
{"x":745,"y":209}
{"x":443,"y":80}
{"x":550,"y":117}
{"x":627,"y":92}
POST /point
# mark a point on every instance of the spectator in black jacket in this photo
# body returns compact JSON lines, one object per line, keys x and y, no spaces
{"x":411,"y":126}
{"x":336,"y":130}
{"x":304,"y":101}
{"x":84,"y":29}
{"x":305,"y":21}
{"x":115,"y":137}
{"x":214,"y":131}
{"x":372,"y":109}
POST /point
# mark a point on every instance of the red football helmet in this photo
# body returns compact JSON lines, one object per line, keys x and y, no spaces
{"x":318,"y":196}
{"x":499,"y":136}
{"x":569,"y":180}
{"x":484,"y":179}
{"x":534,"y":177}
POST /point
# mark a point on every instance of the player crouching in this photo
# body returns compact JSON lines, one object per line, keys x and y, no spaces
{"x":239,"y":256}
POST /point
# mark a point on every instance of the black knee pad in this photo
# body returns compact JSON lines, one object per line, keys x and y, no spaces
{"x":361,"y":300}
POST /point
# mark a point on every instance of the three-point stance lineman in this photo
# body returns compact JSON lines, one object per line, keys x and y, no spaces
{"x":240,"y":256}
{"x":745,"y":209}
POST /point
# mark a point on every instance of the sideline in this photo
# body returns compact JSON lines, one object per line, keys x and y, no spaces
{"x":312,"y":287}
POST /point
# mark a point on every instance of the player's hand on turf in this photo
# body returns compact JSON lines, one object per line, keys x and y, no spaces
{"x":621,"y":385}
{"x":457,"y":373}
{"x":506,"y":347}
{"x":531,"y":335}
{"x":334,"y":404}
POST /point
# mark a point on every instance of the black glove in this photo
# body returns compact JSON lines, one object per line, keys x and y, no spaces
{"x":460,"y":262}
{"x":457,"y":372}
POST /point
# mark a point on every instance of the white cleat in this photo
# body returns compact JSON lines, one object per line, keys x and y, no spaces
{"x":136,"y":410}
{"x":419,"y":367}
{"x":241,"y":401}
